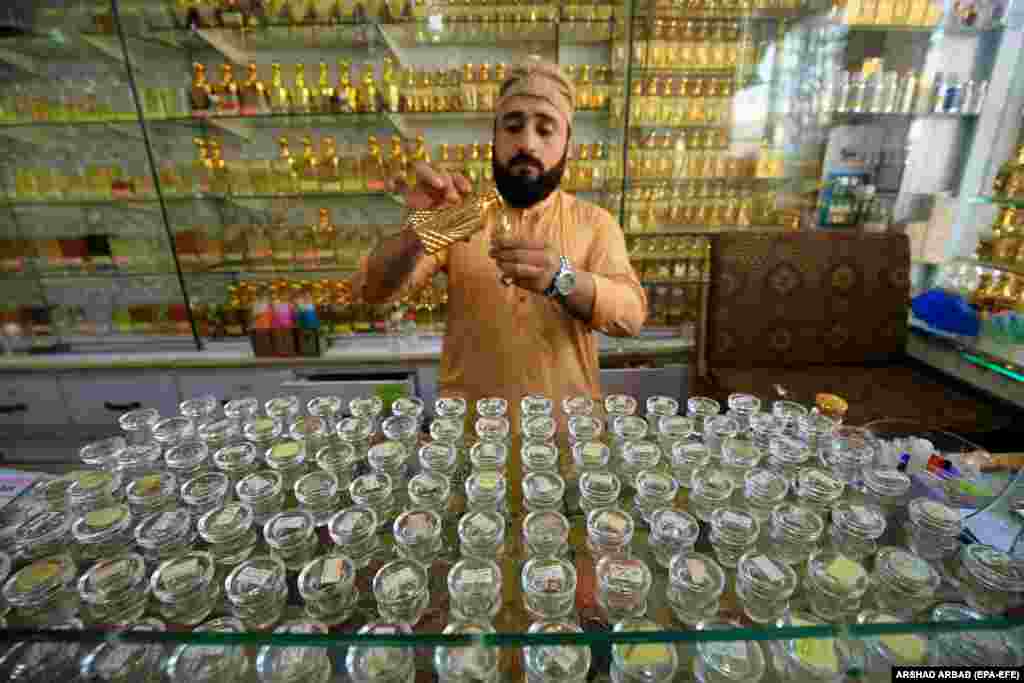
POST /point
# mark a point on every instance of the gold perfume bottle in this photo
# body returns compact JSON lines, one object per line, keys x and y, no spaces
{"x":347,"y":96}
{"x":469,"y":89}
{"x":284,"y":169}
{"x":407,"y":101}
{"x":200,"y":92}
{"x":325,"y":237}
{"x":323,"y":102}
{"x":368,"y":90}
{"x":225,"y":93}
{"x":442,"y":228}
{"x":488,"y":166}
{"x":220,"y":183}
{"x":202,"y":174}
{"x":390,"y":83}
{"x":309,"y":178}
{"x":253,"y":96}
{"x":280,"y":97}
{"x":302,"y":96}
{"x":483,"y":84}
{"x":396,"y":161}
{"x":420,"y":153}
{"x":330,"y":168}
{"x":374,"y":172}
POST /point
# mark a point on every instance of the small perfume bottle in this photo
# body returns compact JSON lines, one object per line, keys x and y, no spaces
{"x":402,"y":591}
{"x":549,"y":588}
{"x":256,"y":591}
{"x":327,"y":587}
{"x":696,"y":583}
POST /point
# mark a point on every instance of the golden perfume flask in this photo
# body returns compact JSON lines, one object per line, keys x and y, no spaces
{"x":438,"y":229}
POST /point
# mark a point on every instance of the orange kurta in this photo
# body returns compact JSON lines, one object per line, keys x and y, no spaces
{"x":509,"y":342}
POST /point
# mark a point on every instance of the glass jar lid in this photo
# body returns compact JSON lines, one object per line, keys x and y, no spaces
{"x":591,"y":455}
{"x":144,"y":418}
{"x":368,"y":406}
{"x":438,"y":456}
{"x":482,"y":526}
{"x":327,"y":407}
{"x":765,"y":485}
{"x":150,"y":487}
{"x":101,"y":525}
{"x":199,"y":407}
{"x":629,"y":427}
{"x":207,"y":662}
{"x":623,"y":574}
{"x":427,"y":488}
{"x":118,"y":661}
{"x":492,"y":428}
{"x":262,"y":430}
{"x":40,"y":529}
{"x":259,"y":485}
{"x":187,"y":456}
{"x":818,"y":485}
{"x":649,"y":661}
{"x":735,"y":524}
{"x":554,"y":662}
{"x":474,"y":576}
{"x":408,"y":406}
{"x":284,"y":408}
{"x":354,"y":430}
{"x":681,"y":528}
{"x":798,"y":520}
{"x":369,"y":664}
{"x":551,"y":575}
{"x":577,"y":405}
{"x":225,"y":524}
{"x":735,"y":660}
{"x":675,"y":427}
{"x":308,"y":427}
{"x":899,"y":649}
{"x":102,"y":453}
{"x":837,"y":575}
{"x":173,"y":430}
{"x":352,"y":524}
{"x":619,"y":404}
{"x":696,"y":572}
{"x":372,"y":486}
{"x":242,"y":408}
{"x":935,"y":516}
{"x":907,"y":571}
{"x":765,"y":423}
{"x":975,"y":648}
{"x":662,"y":406}
{"x":316,"y":488}
{"x":337,"y":457}
{"x":689,"y":453}
{"x":400,"y":581}
{"x":40,"y":580}
{"x":218,"y":431}
{"x":286,"y":454}
{"x":539,"y":455}
{"x":765,"y":576}
{"x":712,"y":483}
{"x":656,"y":484}
{"x":205,"y":488}
{"x":110,"y":578}
{"x":237,"y":457}
{"x":644,"y":454}
{"x":446,"y":429}
{"x":744,"y":403}
{"x":535,"y":404}
{"x":450,"y":406}
{"x":701,"y":405}
{"x":289,"y":528}
{"x":54,"y":492}
{"x":387,"y":455}
{"x":886,"y":482}
{"x":816,"y":424}
{"x":466,"y":663}
{"x":161,"y":528}
{"x":327,"y":576}
{"x":585,"y":428}
{"x":992,"y":568}
{"x":788,"y":411}
{"x":611,"y":523}
{"x":722,"y":426}
{"x":400,"y":427}
{"x":294,"y":663}
{"x":740,"y":452}
{"x":189,"y":573}
{"x":488,"y":455}
{"x":548,"y":528}
{"x":138,"y":456}
{"x":255,"y":580}
{"x":417,"y":527}
{"x":866,"y":521}
{"x":540,"y":427}
{"x":787,"y":450}
{"x":603,"y":485}
{"x":543,"y":487}
{"x":487,"y":484}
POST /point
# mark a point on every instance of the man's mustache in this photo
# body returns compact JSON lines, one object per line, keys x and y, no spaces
{"x":526,"y":159}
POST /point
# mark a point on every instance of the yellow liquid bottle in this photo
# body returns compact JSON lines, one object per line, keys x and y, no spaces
{"x":368,"y":91}
{"x":309,"y":177}
{"x":420,"y":153}
{"x":374,"y":172}
{"x":483,"y":81}
{"x":469,"y":89}
{"x":302,"y":96}
{"x":347,"y":96}
{"x":201,"y":169}
{"x":284,"y":169}
{"x":280,"y":97}
{"x":397,"y":167}
{"x":226,"y":92}
{"x":330,"y":166}
{"x":325,"y":236}
{"x":390,"y":82}
{"x":325,"y":93}
{"x":253,"y":96}
{"x":200,"y":92}
{"x":488,"y":165}
{"x":220,"y":183}
{"x":473,"y":164}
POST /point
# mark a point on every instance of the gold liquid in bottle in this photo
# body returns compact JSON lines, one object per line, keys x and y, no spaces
{"x":200,"y":93}
{"x":374,"y":172}
{"x":390,"y":80}
{"x":302,"y":96}
{"x":420,"y":153}
{"x":280,"y":97}
{"x":469,"y":89}
{"x":486,"y":98}
{"x":225,"y":93}
{"x":368,"y":91}
{"x":472,"y":168}
{"x":330,"y":166}
{"x":253,"y":96}
{"x":347,"y":95}
{"x":202,"y":175}
{"x":323,"y":102}
{"x":397,"y":167}
{"x":325,"y":235}
{"x":309,"y":179}
{"x":284,"y":169}
{"x":220,"y":183}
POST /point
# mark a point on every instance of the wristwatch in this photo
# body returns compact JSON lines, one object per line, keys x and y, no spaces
{"x":564,"y":282}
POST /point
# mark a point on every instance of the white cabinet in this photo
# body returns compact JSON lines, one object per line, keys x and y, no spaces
{"x":228,"y":385}
{"x":97,"y":399}
{"x":31,"y":404}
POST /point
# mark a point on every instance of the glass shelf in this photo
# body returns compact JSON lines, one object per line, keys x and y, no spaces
{"x":197,"y":198}
{"x":494,"y":33}
{"x":847,"y":115}
{"x":696,"y":230}
{"x":907,"y":28}
{"x":229,"y":40}
{"x":267,"y":274}
{"x":998,"y":201}
{"x":1014,"y":269}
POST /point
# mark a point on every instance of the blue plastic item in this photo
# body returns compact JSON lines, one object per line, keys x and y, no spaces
{"x":946,"y":312}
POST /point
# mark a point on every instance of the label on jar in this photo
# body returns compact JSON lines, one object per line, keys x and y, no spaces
{"x":424,"y":487}
{"x":334,"y":569}
{"x":730,"y":517}
{"x":148,"y":485}
{"x":199,"y":489}
{"x":768,"y":568}
{"x":477,"y":576}
{"x":487,"y":481}
{"x":257,"y":485}
{"x":861,"y":515}
{"x":647,"y":654}
{"x":630,"y":573}
{"x":177,"y":573}
{"x":593,"y":451}
{"x":549,"y":578}
{"x":912,"y":566}
{"x":484,"y":524}
{"x":602,"y":479}
{"x":37,"y":573}
{"x":663,"y":406}
{"x":698,"y":572}
{"x":403,"y":580}
{"x":845,"y":571}
{"x":254,"y":577}
{"x":731,"y":649}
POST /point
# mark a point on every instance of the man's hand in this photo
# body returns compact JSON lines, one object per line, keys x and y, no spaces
{"x":434,"y":189}
{"x":530,"y":264}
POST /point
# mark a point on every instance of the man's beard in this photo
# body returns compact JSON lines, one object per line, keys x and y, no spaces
{"x":523,"y":191}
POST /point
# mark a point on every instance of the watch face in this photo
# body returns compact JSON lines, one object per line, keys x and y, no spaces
{"x":565,"y":283}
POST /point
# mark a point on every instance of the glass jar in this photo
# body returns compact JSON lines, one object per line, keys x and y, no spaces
{"x":815,"y":430}
{"x":764,"y":586}
{"x":725,"y":661}
{"x":817,"y":489}
{"x":886,"y":489}
{"x":485,"y":491}
{"x":241,"y":410}
{"x":327,"y":408}
{"x":389,"y":457}
{"x":933,"y":531}
{"x":742,"y":407}
{"x":903,"y":583}
{"x":584,"y":428}
{"x":369,"y":408}
{"x":762,"y":491}
{"x":543,"y":491}
{"x":491,"y":407}
{"x":637,"y":457}
{"x":292,"y":538}
{"x":467,"y":663}
{"x":417,"y":535}
{"x":184,"y":588}
{"x":834,"y":585}
{"x":164,"y":535}
{"x":229,"y":534}
{"x":404,"y":430}
{"x":609,"y":532}
{"x":855,"y":529}
{"x":549,"y":588}
{"x":218,"y":433}
{"x":199,"y":409}
{"x":356,"y":432}
{"x":262,"y":432}
{"x":672,"y":429}
{"x":710,"y":489}
{"x":327,"y":587}
{"x":763,"y":428}
{"x":577,"y":406}
{"x":700,"y":409}
{"x":788,"y":413}
{"x":884,"y":652}
{"x":283,"y":408}
{"x":172,"y":431}
{"x":137,"y":425}
{"x":368,"y":664}
{"x":295,"y":664}
{"x":119,"y":661}
{"x":42,"y":535}
{"x":533,"y":405}
{"x":795,"y":532}
{"x":556,"y":663}
{"x":598,"y":490}
{"x":440,"y":459}
{"x":815,"y":660}
{"x":474,"y":585}
{"x":672,"y":532}
{"x":739,"y":457}
{"x":354,"y":531}
{"x":409,"y":406}
{"x":103,"y":533}
{"x":430,"y":491}
{"x":848,"y":452}
{"x":616,"y":406}
{"x":686,"y":458}
{"x":137,"y":460}
{"x":734,"y":531}
{"x":658,"y":407}
{"x":263,"y":493}
{"x":311,"y":430}
{"x":152,"y":493}
{"x":489,"y":456}
{"x":590,"y":456}
{"x":236,"y":460}
{"x":317,"y":494}
{"x":402,"y":591}
{"x":257,"y":591}
{"x":114,"y":591}
{"x":205,"y":492}
{"x":622,"y":587}
{"x":546,"y":533}
{"x":654,"y":490}
{"x":540,"y":428}
{"x":450,"y":431}
{"x":538,"y":456}
{"x":626,"y":429}
{"x":373,"y":490}
{"x":287,"y":457}
{"x":716,"y":430}
{"x":648,"y":663}
{"x":971,"y":648}
{"x":482,"y":535}
{"x":340,"y":460}
{"x":30,"y":661}
{"x":43,"y":593}
{"x":493,"y":430}
{"x":788,"y":455}
{"x":187,"y":460}
{"x":103,"y":453}
{"x":992,"y":582}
